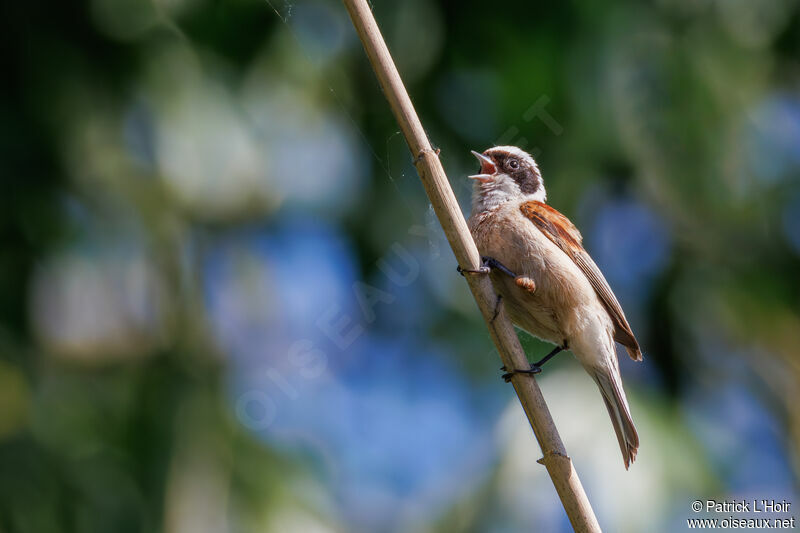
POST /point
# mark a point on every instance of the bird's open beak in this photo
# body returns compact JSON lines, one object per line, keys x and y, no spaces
{"x":488,"y":169}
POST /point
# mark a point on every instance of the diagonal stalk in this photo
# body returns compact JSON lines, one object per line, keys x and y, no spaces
{"x":558,"y":464}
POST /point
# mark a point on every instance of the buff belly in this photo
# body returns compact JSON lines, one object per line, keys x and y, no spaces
{"x":564,"y":303}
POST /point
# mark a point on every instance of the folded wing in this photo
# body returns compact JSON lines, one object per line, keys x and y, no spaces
{"x":566,"y":236}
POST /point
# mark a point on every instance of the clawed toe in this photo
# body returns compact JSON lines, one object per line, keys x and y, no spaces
{"x":494,"y":264}
{"x":479,"y":270}
{"x":487,"y":265}
{"x":534,"y":369}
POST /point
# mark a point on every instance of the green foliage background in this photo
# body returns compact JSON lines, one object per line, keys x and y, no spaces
{"x":163,"y":161}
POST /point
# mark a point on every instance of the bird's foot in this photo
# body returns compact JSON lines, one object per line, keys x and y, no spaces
{"x":479,"y":270}
{"x":534,"y":369}
{"x":494,"y":264}
{"x":487,"y":265}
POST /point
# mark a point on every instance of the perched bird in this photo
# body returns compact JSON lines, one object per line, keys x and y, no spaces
{"x":548,"y":283}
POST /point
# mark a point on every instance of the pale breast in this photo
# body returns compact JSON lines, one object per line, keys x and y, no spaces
{"x":552,"y":312}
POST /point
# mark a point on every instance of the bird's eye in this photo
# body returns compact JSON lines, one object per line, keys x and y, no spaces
{"x":513,"y":163}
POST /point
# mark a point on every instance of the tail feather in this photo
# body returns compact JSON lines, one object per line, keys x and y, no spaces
{"x":625,"y":337}
{"x":610,"y":385}
{"x":634,"y":352}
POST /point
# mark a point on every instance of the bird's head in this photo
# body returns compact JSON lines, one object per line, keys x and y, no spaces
{"x":507,"y":173}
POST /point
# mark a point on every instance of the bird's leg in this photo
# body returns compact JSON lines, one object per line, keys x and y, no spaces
{"x":537,"y":366}
{"x":558,"y":349}
{"x":490,"y":263}
{"x":494,"y":264}
{"x":487,"y":265}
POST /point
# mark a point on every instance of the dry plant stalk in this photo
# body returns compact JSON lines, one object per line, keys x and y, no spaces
{"x":444,"y":202}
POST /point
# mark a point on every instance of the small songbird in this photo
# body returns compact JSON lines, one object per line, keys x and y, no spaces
{"x":548,"y":283}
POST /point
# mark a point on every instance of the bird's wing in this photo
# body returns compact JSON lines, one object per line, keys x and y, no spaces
{"x":566,"y":236}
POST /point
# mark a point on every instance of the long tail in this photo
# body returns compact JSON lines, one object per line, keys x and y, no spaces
{"x":610,"y":384}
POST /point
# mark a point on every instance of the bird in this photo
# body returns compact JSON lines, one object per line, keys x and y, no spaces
{"x":548,"y":283}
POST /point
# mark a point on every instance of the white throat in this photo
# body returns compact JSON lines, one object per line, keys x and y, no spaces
{"x":491,"y":195}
